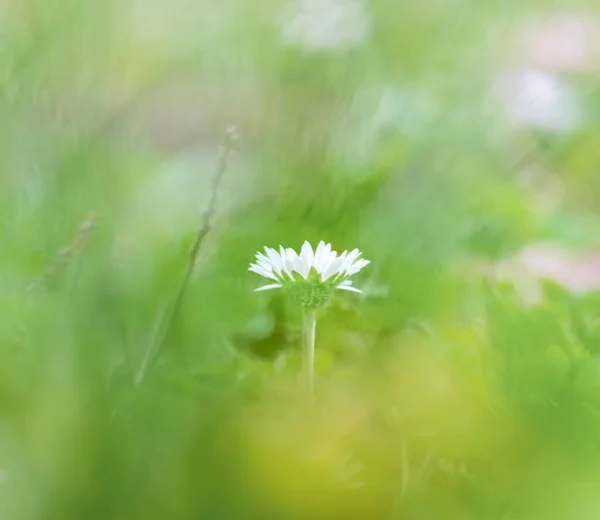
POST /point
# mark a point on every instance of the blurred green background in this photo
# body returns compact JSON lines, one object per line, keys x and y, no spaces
{"x":455,"y":142}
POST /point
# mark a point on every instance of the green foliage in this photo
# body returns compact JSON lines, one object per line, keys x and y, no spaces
{"x":441,"y":393}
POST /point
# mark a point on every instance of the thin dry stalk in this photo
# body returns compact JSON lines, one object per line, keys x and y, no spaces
{"x":156,"y":346}
{"x":55,"y":270}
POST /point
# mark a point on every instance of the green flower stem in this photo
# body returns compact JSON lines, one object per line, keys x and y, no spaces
{"x":308,"y":349}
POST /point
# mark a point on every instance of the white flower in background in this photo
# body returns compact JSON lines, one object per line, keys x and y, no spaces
{"x":540,"y":100}
{"x":311,"y":275}
{"x":566,"y":41}
{"x":318,"y":25}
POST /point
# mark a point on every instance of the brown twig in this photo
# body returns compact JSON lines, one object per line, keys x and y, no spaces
{"x":66,"y":255}
{"x":152,"y":353}
{"x":54,"y":273}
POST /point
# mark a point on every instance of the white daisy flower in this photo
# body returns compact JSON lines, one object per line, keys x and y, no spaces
{"x":311,"y":275}
{"x":325,"y":25}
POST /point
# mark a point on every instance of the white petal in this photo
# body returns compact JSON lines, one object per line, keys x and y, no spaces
{"x":333,"y":268}
{"x":351,"y":258}
{"x":269,"y":287}
{"x":287,"y":266}
{"x":357,"y":266}
{"x":319,"y":255}
{"x":348,"y":288}
{"x":262,"y":258}
{"x":264,"y":261}
{"x":329,"y":259}
{"x":259,"y":267}
{"x":290,"y":255}
{"x":320,"y":248}
{"x":272,"y":254}
{"x":266,"y":267}
{"x":276,"y":260}
{"x":324,"y":259}
{"x":354,"y":254}
{"x":301,"y":267}
{"x":307,"y":255}
{"x":262,"y":271}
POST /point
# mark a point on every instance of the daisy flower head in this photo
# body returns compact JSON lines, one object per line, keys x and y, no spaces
{"x":311,"y":276}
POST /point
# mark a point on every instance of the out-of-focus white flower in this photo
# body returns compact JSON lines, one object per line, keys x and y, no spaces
{"x":567,"y":41}
{"x":318,"y":25}
{"x":311,"y":275}
{"x":538,"y":99}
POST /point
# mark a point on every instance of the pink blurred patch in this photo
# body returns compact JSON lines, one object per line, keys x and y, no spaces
{"x":564,"y":42}
{"x":577,"y":272}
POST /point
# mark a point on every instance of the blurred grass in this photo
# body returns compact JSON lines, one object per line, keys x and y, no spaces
{"x":440,"y":393}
